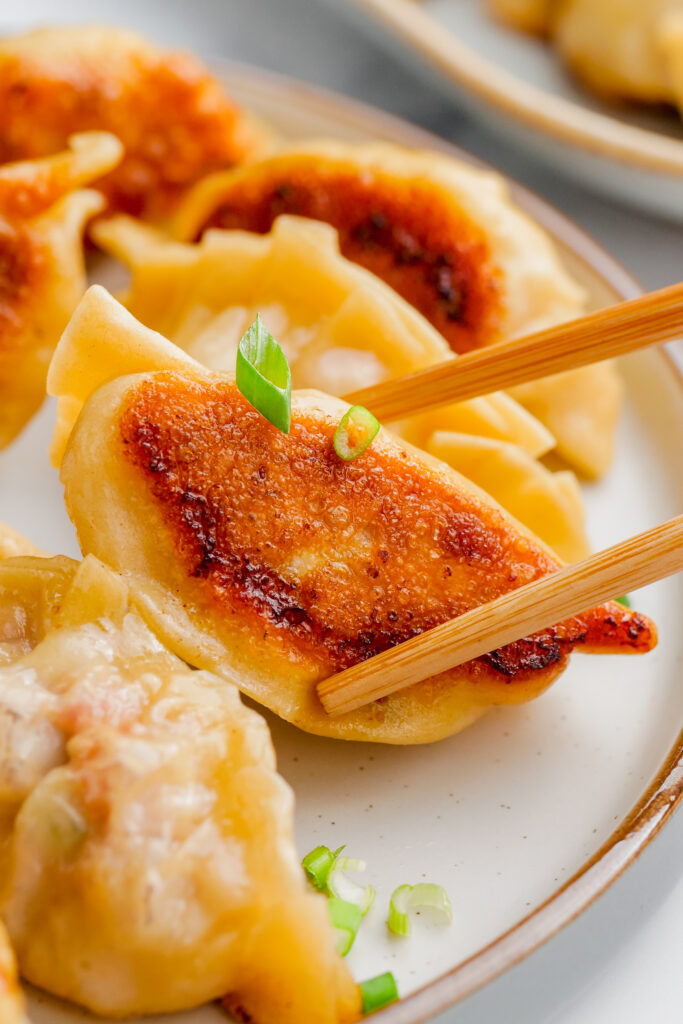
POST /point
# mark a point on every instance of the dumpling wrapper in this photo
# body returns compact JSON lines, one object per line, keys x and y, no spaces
{"x":268,"y":558}
{"x":11,"y":999}
{"x":444,"y":235}
{"x":340,"y":327}
{"x":615,"y":46}
{"x":146,"y":851}
{"x":43,"y":210}
{"x":173,"y":118}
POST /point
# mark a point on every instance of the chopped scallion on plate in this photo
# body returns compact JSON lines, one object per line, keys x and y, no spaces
{"x":356,"y":431}
{"x":346,"y":918}
{"x":378,"y":992}
{"x":416,"y":897}
{"x":263,"y":375}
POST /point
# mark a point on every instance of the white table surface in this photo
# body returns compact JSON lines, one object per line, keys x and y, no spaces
{"x":621,"y":960}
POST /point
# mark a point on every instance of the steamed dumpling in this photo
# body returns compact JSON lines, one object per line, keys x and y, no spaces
{"x":174,"y":120}
{"x":43,"y":209}
{"x":444,"y":235}
{"x":11,"y":1001}
{"x":265,"y":556}
{"x":341,"y":328}
{"x":146,"y":850}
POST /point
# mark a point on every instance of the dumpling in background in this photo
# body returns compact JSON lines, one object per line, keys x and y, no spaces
{"x":145,"y":795}
{"x":43,"y":209}
{"x":341,"y":328}
{"x":11,"y":1000}
{"x":617,"y":46}
{"x":444,"y":235}
{"x":174,"y":120}
{"x":529,"y":15}
{"x":268,"y":558}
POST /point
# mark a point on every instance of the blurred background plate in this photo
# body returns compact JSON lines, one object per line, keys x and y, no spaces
{"x":528,"y":815}
{"x":517,"y":85}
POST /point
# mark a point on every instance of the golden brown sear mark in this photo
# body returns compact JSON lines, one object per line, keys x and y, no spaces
{"x":407,"y":231}
{"x":338,"y":560}
{"x":174,"y":120}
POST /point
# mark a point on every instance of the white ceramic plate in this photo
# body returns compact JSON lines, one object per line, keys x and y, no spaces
{"x":517,"y":84}
{"x":530,"y":813}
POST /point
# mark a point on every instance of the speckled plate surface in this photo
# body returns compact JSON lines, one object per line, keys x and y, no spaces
{"x":518,"y":85}
{"x":530,"y":813}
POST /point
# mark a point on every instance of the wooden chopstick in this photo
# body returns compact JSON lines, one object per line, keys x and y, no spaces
{"x":650,"y":556}
{"x":610,"y":332}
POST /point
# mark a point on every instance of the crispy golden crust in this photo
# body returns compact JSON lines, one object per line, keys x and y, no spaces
{"x":173,"y":118}
{"x":42,"y":213}
{"x":336,"y":561}
{"x":405,"y":230}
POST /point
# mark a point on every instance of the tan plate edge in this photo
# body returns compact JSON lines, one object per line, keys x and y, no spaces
{"x":598,"y":133}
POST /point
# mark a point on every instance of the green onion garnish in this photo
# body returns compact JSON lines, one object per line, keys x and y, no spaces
{"x":625,"y":600}
{"x":357,"y":428}
{"x":346,"y":918}
{"x":263,"y":375}
{"x":378,"y":992}
{"x":317,"y":864}
{"x":340,"y":885}
{"x":412,"y":897}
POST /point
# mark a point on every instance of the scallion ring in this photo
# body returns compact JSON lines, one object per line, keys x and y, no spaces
{"x":378,"y":992}
{"x":317,"y":864}
{"x":357,"y":429}
{"x":346,"y":918}
{"x":263,"y":375}
{"x":413,"y":897}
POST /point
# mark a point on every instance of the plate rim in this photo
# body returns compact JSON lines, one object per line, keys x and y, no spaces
{"x":664,"y":794}
{"x":595,"y":133}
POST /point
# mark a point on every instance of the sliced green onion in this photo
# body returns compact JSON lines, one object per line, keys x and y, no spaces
{"x":427,"y":896}
{"x":625,"y":600}
{"x":378,"y":992}
{"x":357,"y":428}
{"x":398,"y":921}
{"x":263,"y":375}
{"x":340,"y":885}
{"x":346,"y":918}
{"x":317,"y":864}
{"x":413,"y":897}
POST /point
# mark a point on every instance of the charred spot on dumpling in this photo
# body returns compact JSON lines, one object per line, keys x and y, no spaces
{"x":173,"y":118}
{"x":332,"y":559}
{"x":407,"y":231}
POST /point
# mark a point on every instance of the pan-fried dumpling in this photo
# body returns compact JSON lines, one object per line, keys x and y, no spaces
{"x":444,"y":235}
{"x":43,"y":209}
{"x":340,"y":327}
{"x":11,"y":1001}
{"x":174,"y":120}
{"x":265,"y":556}
{"x":520,"y":485}
{"x":146,"y":850}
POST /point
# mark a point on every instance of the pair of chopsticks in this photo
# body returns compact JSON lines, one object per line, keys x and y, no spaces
{"x":653,"y":555}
